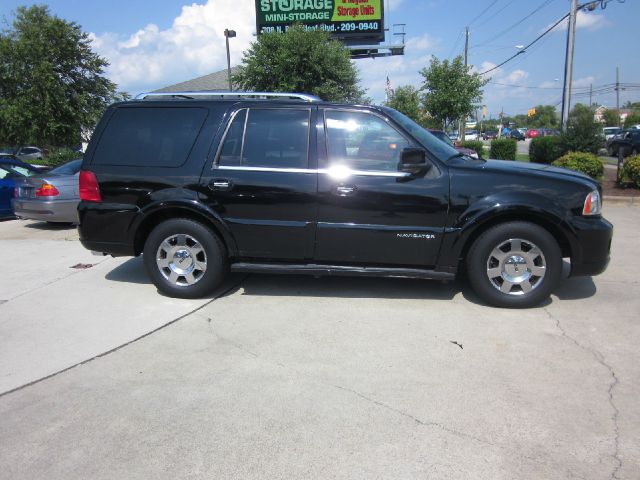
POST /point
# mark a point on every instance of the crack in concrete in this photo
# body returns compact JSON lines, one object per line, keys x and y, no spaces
{"x":416,"y":419}
{"x":614,"y":418}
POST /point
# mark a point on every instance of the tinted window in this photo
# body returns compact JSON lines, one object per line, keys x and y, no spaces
{"x":273,"y":138}
{"x":159,"y":137}
{"x":362,"y":141}
{"x":232,"y":146}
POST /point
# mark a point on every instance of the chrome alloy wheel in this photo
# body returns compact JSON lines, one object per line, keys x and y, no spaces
{"x":516,"y":266}
{"x":181,"y":259}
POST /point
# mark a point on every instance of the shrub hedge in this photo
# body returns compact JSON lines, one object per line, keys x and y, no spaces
{"x":631,"y":170}
{"x":503,"y":149}
{"x":545,"y":149}
{"x":476,"y":145}
{"x":584,"y":162}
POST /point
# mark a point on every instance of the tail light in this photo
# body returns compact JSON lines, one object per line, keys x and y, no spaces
{"x":46,"y":190}
{"x":89,"y":188}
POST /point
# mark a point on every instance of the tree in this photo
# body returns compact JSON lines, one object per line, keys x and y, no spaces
{"x":584,"y":133}
{"x":452,"y":92}
{"x":632,"y":119}
{"x":545,"y":117}
{"x":300,"y":61}
{"x":406,"y":99}
{"x":611,"y":118}
{"x":51,"y":83}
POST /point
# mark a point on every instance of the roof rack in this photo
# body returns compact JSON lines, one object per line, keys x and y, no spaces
{"x":299,"y":96}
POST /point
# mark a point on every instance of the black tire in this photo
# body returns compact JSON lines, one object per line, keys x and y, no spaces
{"x":518,"y":265}
{"x":610,"y":151}
{"x":192,"y":243}
{"x":634,"y":152}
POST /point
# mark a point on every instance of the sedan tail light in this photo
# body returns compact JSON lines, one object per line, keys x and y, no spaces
{"x":47,"y":190}
{"x":89,"y":188}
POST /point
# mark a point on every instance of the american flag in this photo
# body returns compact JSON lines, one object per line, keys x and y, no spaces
{"x":389,"y":89}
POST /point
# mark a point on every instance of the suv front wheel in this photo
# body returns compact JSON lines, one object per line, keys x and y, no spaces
{"x":184,"y":258}
{"x":514,"y":264}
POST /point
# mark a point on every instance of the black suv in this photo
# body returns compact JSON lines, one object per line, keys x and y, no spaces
{"x":202,"y":184}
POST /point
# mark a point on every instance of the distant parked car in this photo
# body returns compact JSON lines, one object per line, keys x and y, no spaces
{"x":610,"y":132}
{"x":52,"y":196}
{"x":627,"y":139}
{"x":27,"y":154}
{"x":443,"y":136}
{"x":490,"y":135}
{"x":453,"y":136}
{"x":471,"y":135}
{"x":11,"y":161}
{"x":8,"y":177}
{"x":532,"y":133}
{"x":517,"y":134}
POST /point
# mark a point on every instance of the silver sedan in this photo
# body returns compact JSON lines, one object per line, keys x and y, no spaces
{"x":51,"y":197}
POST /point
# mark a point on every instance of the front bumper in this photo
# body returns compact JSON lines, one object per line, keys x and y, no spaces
{"x":593,"y":236}
{"x":47,"y":210}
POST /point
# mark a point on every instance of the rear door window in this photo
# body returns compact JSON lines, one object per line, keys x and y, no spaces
{"x":267,"y":138}
{"x":150,"y":136}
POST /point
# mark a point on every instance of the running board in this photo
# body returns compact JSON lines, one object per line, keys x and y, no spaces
{"x":342,"y":270}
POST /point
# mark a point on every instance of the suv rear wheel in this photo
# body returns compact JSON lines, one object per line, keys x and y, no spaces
{"x":184,"y":258}
{"x":515,"y":264}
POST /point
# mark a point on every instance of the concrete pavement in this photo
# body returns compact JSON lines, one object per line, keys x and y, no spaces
{"x":295,"y":377}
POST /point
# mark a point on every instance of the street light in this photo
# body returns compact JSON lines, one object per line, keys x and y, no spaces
{"x":229,"y":34}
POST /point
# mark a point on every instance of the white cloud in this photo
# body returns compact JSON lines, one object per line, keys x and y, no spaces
{"x":194,"y":45}
{"x":584,"y":20}
{"x":421,"y":43}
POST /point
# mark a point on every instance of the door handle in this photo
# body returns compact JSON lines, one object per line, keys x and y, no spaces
{"x":345,"y":190}
{"x":220,"y":184}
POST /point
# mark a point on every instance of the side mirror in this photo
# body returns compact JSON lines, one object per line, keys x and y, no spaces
{"x":413,"y":160}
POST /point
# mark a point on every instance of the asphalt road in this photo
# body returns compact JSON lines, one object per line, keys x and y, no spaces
{"x":296,"y":377}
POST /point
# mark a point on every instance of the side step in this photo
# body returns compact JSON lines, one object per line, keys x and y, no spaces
{"x":341,"y":270}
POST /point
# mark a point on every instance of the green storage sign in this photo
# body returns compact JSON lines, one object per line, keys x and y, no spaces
{"x":343,"y":19}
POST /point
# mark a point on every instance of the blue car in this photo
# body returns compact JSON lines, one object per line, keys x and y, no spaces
{"x":7,"y":184}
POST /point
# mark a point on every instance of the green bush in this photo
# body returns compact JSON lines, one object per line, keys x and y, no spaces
{"x":59,"y":156}
{"x":476,"y":145}
{"x":584,"y":162}
{"x":545,"y":149}
{"x":503,"y":149}
{"x":583,"y":133}
{"x":631,"y":170}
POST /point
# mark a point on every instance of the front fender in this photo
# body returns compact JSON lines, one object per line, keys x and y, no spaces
{"x":504,"y":207}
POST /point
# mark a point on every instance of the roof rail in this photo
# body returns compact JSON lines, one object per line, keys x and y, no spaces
{"x":299,"y":96}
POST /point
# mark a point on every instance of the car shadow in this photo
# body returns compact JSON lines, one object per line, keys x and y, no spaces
{"x":51,"y":226}
{"x":133,"y":271}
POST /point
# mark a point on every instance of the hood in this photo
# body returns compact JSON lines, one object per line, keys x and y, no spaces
{"x":510,"y":166}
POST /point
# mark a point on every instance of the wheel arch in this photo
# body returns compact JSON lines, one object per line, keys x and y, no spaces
{"x":519,"y":215}
{"x":160,"y":213}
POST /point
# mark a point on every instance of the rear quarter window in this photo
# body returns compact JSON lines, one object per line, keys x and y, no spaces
{"x":150,"y":136}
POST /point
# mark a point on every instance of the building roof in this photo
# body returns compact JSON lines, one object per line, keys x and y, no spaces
{"x":216,"y":81}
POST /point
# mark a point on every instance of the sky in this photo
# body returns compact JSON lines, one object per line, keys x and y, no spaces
{"x":154,"y":43}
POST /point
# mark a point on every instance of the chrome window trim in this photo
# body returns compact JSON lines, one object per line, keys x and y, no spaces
{"x":326,"y":171}
{"x":224,"y":136}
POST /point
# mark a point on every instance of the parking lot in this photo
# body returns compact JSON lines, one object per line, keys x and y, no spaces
{"x":300,"y":377}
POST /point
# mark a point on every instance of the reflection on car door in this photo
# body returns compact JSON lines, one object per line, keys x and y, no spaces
{"x":262,"y":183}
{"x":368,"y":211}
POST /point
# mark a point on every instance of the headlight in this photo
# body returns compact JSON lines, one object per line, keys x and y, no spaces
{"x":474,"y":155}
{"x":592,"y":204}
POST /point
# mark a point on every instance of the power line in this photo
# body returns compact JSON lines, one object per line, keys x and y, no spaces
{"x":483,"y":12}
{"x":526,"y":46}
{"x":508,"y":4}
{"x":507,"y":30}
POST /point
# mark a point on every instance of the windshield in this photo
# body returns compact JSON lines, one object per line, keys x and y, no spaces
{"x":434,"y":145}
{"x":611,"y":130}
{"x":69,"y":168}
{"x":442,"y":136}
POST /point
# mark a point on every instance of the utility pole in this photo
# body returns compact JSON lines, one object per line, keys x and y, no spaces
{"x":568,"y":65}
{"x":463,"y":124}
{"x":618,"y":94}
{"x":229,"y":34}
{"x":590,"y":95}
